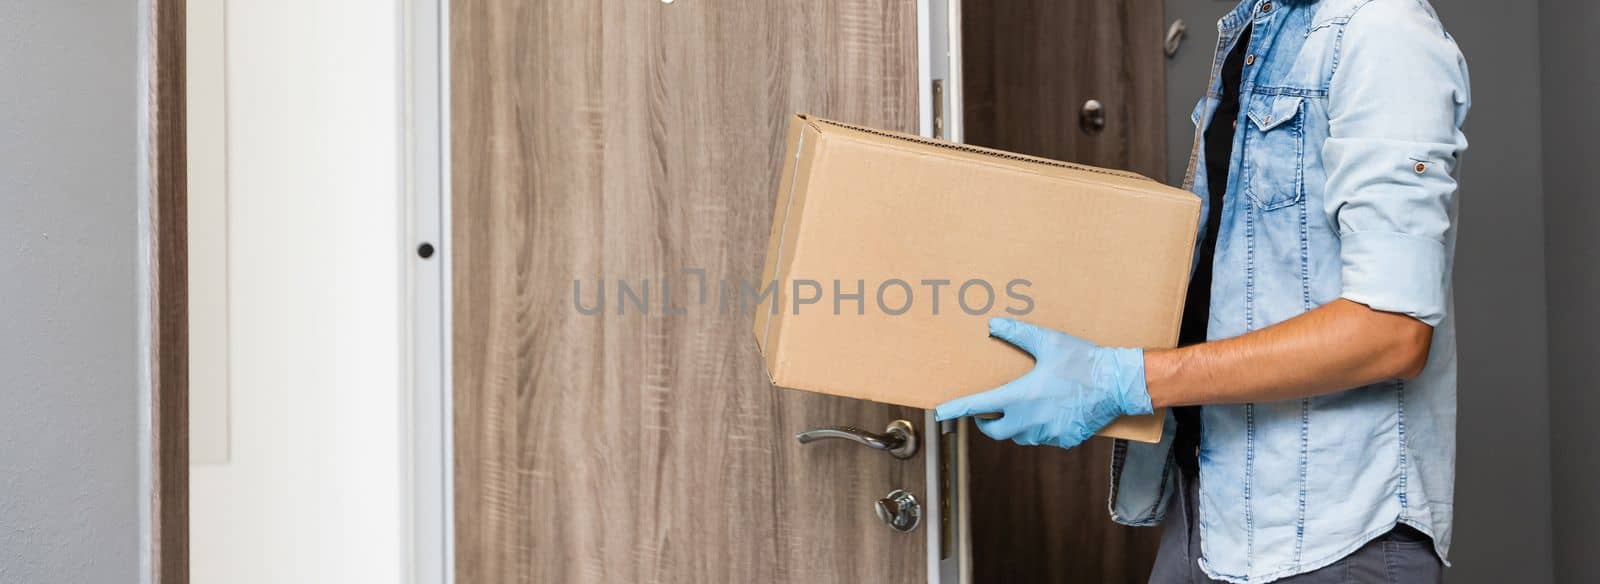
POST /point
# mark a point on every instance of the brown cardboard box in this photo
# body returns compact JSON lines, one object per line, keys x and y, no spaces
{"x":1101,"y":254}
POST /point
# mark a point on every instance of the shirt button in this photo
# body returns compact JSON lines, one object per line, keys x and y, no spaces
{"x":1422,"y":167}
{"x":1250,"y":60}
{"x":1266,"y":7}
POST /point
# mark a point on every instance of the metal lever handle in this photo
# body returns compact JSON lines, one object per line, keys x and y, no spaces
{"x":899,"y":439}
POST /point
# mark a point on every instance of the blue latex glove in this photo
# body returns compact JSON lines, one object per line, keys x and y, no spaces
{"x":1074,"y":389}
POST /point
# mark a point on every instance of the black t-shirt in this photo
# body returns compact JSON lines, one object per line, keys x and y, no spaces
{"x":1197,"y":308}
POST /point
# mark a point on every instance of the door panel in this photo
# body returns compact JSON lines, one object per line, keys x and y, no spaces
{"x":1039,"y":514}
{"x":1031,"y":64}
{"x":604,"y":140}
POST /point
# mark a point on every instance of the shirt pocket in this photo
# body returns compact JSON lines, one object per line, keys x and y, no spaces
{"x":1274,"y":151}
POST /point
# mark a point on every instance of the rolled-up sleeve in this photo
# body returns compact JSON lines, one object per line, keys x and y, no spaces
{"x":1396,"y":102}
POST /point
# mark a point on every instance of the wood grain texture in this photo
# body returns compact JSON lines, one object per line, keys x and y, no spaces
{"x":606,"y":140}
{"x":1031,"y":64}
{"x":169,"y":298}
{"x":1039,"y":514}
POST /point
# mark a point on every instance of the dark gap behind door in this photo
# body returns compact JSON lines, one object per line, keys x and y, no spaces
{"x":1039,"y":514}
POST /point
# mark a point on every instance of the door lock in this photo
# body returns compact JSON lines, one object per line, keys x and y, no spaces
{"x":899,"y":439}
{"x":1092,"y":119}
{"x":1175,"y":34}
{"x":900,"y":510}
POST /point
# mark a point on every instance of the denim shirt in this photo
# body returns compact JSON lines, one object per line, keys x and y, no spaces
{"x":1342,"y":185}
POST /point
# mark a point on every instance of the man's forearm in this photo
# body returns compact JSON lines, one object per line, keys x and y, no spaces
{"x":1337,"y":346}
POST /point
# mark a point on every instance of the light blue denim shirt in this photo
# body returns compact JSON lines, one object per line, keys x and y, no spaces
{"x":1341,"y":186}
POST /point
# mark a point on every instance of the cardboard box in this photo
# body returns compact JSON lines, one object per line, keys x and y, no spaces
{"x":869,"y":223}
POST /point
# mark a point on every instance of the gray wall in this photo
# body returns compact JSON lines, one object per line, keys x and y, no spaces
{"x":68,"y":148}
{"x":1503,"y":513}
{"x":1503,"y":484}
{"x":1571,"y":60}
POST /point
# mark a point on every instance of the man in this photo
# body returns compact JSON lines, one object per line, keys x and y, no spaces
{"x":1323,"y":445}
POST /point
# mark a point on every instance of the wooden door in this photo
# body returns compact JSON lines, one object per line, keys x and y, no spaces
{"x":1039,"y":514}
{"x":604,"y":140}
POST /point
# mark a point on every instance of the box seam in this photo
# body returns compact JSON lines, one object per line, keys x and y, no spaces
{"x":1176,"y":197}
{"x":779,"y":266}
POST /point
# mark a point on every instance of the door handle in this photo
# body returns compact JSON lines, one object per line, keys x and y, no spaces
{"x":899,"y":439}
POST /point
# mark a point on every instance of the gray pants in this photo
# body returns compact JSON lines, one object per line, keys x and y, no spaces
{"x":1402,"y":556}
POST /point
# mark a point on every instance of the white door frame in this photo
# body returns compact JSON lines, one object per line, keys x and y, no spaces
{"x":429,"y":513}
{"x":938,"y":63}
{"x":428,"y":498}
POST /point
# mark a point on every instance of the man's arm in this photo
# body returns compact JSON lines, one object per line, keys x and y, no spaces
{"x":1077,"y":387}
{"x":1337,"y":346}
{"x":1396,"y":102}
{"x":1394,"y":140}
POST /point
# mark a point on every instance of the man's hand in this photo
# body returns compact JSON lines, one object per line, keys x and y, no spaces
{"x":1074,"y":389}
